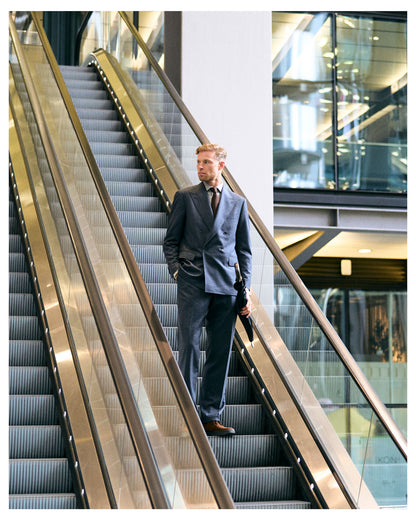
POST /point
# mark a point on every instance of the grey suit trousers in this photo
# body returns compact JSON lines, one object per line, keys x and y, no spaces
{"x":197,"y":308}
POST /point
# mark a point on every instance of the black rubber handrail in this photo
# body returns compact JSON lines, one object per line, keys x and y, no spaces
{"x":197,"y":433}
{"x":345,"y":356}
{"x":124,"y":390}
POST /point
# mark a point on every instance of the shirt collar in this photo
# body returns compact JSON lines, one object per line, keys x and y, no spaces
{"x":207,"y":186}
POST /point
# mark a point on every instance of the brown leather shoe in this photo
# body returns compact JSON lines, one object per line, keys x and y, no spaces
{"x":216,"y":428}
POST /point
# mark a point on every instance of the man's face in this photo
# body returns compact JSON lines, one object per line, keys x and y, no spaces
{"x":209,"y":168}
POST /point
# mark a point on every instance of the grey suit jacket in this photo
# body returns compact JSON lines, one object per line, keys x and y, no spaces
{"x":203,"y":249}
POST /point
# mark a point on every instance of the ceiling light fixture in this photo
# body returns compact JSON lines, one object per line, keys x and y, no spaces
{"x":364,"y":251}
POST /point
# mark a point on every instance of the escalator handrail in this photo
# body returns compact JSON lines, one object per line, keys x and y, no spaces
{"x":345,"y":356}
{"x":192,"y":420}
{"x":156,"y":491}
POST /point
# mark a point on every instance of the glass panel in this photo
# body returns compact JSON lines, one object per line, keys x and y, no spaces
{"x":363,"y":436}
{"x":373,"y":326}
{"x":180,"y":467}
{"x":302,"y":101}
{"x":103,"y":31}
{"x":372,"y":104}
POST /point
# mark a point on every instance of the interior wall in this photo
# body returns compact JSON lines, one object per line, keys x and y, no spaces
{"x":226,"y":84}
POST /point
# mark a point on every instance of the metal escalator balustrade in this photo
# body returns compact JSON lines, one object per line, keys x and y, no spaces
{"x":317,"y":356}
{"x":251,"y":461}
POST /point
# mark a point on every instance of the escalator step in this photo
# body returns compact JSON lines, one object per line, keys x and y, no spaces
{"x":24,"y":327}
{"x":117,"y":161}
{"x":26,"y":353}
{"x":260,"y":484}
{"x":136,"y":204}
{"x":282,"y":504}
{"x":13,"y":225}
{"x":246,"y":450}
{"x":107,"y":136}
{"x":148,"y":254}
{"x":93,"y":102}
{"x":143,"y":219}
{"x":100,"y":148}
{"x":124,"y":174}
{"x":246,"y":420}
{"x":43,"y":501}
{"x":130,"y":189}
{"x":29,"y":380}
{"x":103,"y":125}
{"x":19,"y":283}
{"x":39,"y":476}
{"x":163,"y":293}
{"x":15,"y":244}
{"x":17,"y":262}
{"x":32,"y":410}
{"x":35,"y":442}
{"x":145,"y":236}
{"x":97,"y":114}
{"x":94,"y":90}
{"x":22,"y":305}
{"x":156,"y":273}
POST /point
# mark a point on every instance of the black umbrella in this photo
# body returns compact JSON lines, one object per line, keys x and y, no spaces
{"x":241,"y":302}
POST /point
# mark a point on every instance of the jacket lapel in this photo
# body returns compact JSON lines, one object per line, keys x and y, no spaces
{"x":201,"y":203}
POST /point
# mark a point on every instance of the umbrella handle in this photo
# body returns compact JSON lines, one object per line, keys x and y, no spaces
{"x":237,"y":272}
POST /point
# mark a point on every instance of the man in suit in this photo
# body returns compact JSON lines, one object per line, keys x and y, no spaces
{"x":202,"y":245}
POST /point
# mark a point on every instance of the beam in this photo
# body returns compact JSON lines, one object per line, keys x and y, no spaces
{"x":300,"y":252}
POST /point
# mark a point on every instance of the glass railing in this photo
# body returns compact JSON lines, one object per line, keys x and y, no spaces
{"x":344,"y":414}
{"x":184,"y":482}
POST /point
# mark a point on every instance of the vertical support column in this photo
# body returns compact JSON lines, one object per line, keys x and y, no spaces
{"x":173,"y":48}
{"x":227,"y":85}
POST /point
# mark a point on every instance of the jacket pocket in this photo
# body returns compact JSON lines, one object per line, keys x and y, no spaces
{"x":186,"y":255}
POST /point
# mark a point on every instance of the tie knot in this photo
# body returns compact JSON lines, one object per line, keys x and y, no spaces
{"x":214,"y":190}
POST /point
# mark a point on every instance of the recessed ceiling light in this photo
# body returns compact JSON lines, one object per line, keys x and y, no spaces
{"x":364,"y":250}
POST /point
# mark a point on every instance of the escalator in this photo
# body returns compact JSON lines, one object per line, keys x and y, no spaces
{"x":253,"y":464}
{"x":286,"y":454}
{"x":39,"y":470}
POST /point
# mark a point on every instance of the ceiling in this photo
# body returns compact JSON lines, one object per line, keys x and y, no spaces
{"x":348,"y":243}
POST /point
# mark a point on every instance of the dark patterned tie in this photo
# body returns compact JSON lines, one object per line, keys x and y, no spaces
{"x":214,"y":200}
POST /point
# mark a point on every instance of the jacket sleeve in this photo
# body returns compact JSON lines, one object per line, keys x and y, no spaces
{"x":243,"y":245}
{"x":174,"y":233}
